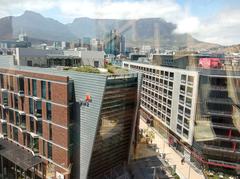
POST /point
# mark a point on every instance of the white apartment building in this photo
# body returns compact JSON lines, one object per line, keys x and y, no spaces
{"x":170,"y":95}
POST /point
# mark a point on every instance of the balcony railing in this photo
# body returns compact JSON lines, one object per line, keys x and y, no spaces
{"x":218,"y":88}
{"x":219,"y":113}
{"x":222,"y":125}
{"x":232,"y":138}
{"x":220,"y":100}
{"x":220,"y":72}
{"x":219,"y":148}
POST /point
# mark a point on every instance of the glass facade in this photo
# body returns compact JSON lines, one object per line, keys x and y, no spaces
{"x":112,"y":141}
{"x":219,"y":108}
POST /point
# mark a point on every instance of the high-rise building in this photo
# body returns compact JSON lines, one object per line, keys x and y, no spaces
{"x":65,"y":124}
{"x":196,"y":109}
{"x":86,"y":42}
{"x":114,"y":43}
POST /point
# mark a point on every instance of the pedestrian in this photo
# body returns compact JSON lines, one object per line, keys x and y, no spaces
{"x":183,"y":160}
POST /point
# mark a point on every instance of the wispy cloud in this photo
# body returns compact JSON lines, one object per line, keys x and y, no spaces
{"x":223,"y":28}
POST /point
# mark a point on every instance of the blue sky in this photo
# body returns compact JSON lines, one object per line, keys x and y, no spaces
{"x":208,"y":20}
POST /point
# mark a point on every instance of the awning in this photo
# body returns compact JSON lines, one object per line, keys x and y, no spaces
{"x":17,"y":155}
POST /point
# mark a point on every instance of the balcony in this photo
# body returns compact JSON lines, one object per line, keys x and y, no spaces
{"x":219,"y":148}
{"x":223,"y":125}
{"x":219,"y":113}
{"x":218,"y":88}
{"x":220,"y":100}
{"x":224,"y":137}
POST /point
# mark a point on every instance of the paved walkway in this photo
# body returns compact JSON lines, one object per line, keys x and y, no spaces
{"x":185,"y":171}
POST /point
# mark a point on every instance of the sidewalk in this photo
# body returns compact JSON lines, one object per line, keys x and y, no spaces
{"x":185,"y":171}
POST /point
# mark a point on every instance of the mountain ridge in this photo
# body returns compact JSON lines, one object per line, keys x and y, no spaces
{"x":148,"y":31}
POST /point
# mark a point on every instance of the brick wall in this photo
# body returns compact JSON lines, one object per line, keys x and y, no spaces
{"x":59,"y":103}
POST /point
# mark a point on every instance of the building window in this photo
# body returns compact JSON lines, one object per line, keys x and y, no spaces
{"x":49,"y":91}
{"x":21,"y":85}
{"x":11,"y":83}
{"x":49,"y":111}
{"x":168,"y":121}
{"x":35,"y":146}
{"x":49,"y":150}
{"x":180,"y":119}
{"x":31,"y":105}
{"x":180,"y":109}
{"x":185,"y":133}
{"x":34,"y":87}
{"x":29,"y":63}
{"x":190,"y":79}
{"x":189,"y":91}
{"x":15,"y":101}
{"x":183,"y":78}
{"x":31,"y":124}
{"x":182,"y":89}
{"x":44,"y":150}
{"x":96,"y":64}
{"x":11,"y":116}
{"x":43,"y":89}
{"x":1,"y":113}
{"x":23,"y":121}
{"x":50,"y":131}
{"x":4,"y":128}
{"x":15,"y":134}
{"x":187,"y":112}
{"x":17,"y":118}
{"x":1,"y":81}
{"x":4,"y":114}
{"x":29,"y":86}
{"x":188,"y":102}
{"x":179,"y":129}
{"x":71,"y":92}
{"x":39,"y":128}
{"x":38,"y":108}
{"x":5,"y":98}
{"x":186,"y":123}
